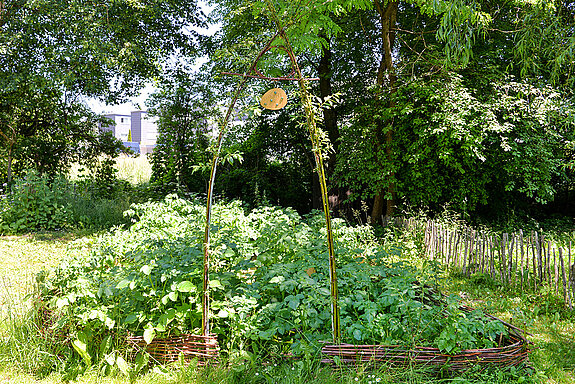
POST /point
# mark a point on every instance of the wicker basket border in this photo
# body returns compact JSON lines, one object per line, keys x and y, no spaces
{"x":515,"y":351}
{"x":168,"y":349}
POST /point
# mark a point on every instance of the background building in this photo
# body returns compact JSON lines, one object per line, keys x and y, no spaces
{"x":137,"y":131}
{"x":120,"y":125}
{"x":144,"y":131}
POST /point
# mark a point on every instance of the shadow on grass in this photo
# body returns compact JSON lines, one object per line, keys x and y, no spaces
{"x":55,"y":236}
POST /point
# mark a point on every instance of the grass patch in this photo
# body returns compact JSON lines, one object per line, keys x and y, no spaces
{"x":135,"y":170}
{"x":22,"y":257}
{"x":284,"y":373}
{"x":541,"y":314}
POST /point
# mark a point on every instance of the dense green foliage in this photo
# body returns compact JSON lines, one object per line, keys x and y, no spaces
{"x":37,"y":202}
{"x":467,"y":112}
{"x":269,"y":285}
{"x":184,"y":109}
{"x":53,"y":54}
{"x":42,"y":131}
{"x":454,"y":144}
{"x":28,"y":354}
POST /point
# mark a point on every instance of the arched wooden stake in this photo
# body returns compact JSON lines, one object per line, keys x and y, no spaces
{"x":215,"y":159}
{"x":316,"y":145}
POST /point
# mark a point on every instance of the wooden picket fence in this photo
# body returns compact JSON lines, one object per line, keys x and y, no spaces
{"x":518,"y":259}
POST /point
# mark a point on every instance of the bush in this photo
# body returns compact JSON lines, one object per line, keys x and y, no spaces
{"x":35,"y":204}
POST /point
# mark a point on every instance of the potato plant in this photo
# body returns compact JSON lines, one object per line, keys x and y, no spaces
{"x":269,"y":283}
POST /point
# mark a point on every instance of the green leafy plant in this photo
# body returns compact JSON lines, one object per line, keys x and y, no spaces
{"x":269,"y":284}
{"x":34,"y":203}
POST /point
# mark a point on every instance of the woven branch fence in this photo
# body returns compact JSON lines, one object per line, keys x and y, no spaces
{"x":520,"y":259}
{"x":204,"y":349}
{"x":511,"y":350}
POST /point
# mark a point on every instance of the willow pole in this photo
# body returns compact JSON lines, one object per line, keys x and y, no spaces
{"x":316,"y":146}
{"x":215,"y":160}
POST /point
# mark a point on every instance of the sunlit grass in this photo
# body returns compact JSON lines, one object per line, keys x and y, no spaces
{"x":21,"y":257}
{"x":551,"y":325}
{"x":133,"y":169}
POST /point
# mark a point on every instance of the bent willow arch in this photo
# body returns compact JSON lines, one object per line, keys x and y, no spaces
{"x":315,"y":137}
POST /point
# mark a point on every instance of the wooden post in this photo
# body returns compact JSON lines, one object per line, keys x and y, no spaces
{"x":426,"y":238}
{"x":521,"y":245}
{"x":463,"y":257}
{"x":450,"y":254}
{"x":472,"y":253}
{"x":483,"y":252}
{"x":491,"y":256}
{"x":457,"y":247}
{"x":502,"y":258}
{"x":555,"y":272}
{"x":510,"y":276}
{"x":548,"y":261}
{"x":434,"y":240}
{"x":566,"y":293}
{"x":436,"y":254}
{"x":539,"y":240}
{"x":440,"y":244}
{"x":431,"y":240}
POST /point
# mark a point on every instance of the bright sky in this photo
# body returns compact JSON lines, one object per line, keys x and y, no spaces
{"x":138,"y":103}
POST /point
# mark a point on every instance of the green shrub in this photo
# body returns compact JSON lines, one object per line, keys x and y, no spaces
{"x":36,"y":203}
{"x":33,"y":204}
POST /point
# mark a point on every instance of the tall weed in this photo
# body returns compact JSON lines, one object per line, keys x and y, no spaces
{"x":36,"y":203}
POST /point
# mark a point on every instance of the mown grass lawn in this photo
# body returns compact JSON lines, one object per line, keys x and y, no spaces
{"x":553,"y":329}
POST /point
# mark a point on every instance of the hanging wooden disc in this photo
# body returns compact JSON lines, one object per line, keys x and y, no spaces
{"x":274,"y":99}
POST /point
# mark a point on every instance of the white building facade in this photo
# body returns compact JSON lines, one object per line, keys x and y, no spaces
{"x":120,"y":125}
{"x":144,"y":131}
{"x":137,"y":131}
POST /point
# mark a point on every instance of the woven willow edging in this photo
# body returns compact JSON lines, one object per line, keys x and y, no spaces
{"x":167,"y":350}
{"x":514,"y":351}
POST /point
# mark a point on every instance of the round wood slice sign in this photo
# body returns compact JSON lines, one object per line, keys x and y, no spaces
{"x":274,"y":99}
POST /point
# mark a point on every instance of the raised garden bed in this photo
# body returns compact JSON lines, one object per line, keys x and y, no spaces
{"x":512,"y":350}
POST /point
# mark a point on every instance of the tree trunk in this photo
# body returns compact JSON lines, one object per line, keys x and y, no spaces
{"x":386,"y":70}
{"x":336,"y":194}
{"x":9,"y":172}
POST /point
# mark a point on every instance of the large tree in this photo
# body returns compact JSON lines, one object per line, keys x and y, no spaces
{"x":63,"y":51}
